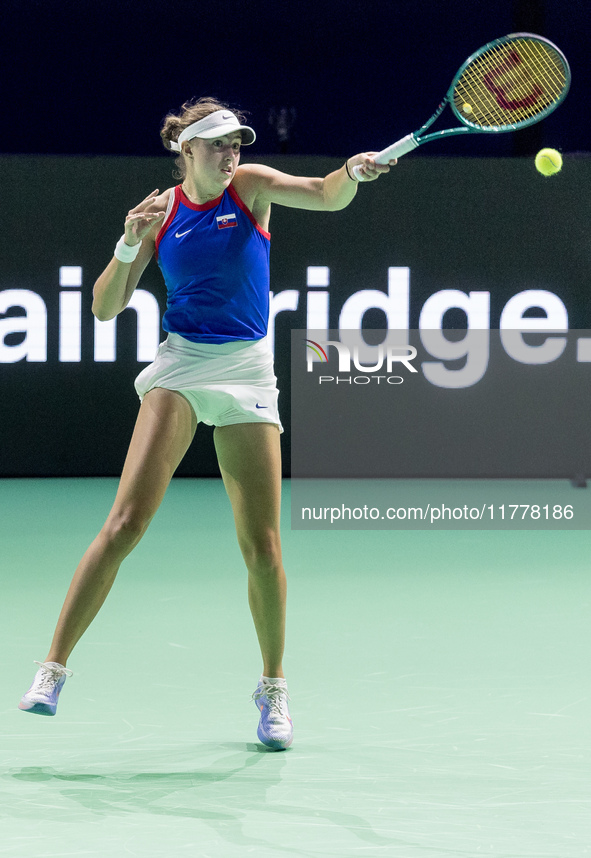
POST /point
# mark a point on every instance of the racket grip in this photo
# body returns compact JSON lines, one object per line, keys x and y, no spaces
{"x":396,"y":150}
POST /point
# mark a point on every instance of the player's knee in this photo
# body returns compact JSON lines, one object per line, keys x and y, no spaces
{"x":126,"y":527}
{"x":262,"y":552}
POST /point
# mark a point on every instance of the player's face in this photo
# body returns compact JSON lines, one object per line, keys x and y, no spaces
{"x":216,"y":160}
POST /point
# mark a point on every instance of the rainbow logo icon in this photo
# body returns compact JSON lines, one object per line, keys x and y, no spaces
{"x":317,"y":349}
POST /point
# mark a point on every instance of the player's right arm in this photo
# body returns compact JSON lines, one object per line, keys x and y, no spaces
{"x":115,"y":286}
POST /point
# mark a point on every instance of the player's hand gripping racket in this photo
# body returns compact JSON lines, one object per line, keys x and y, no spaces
{"x":508,"y":84}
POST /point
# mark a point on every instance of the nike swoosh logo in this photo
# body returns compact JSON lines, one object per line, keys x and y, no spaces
{"x":262,"y":406}
{"x":180,"y":234}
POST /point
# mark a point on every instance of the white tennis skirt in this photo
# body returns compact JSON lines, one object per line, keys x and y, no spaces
{"x":225,"y":383}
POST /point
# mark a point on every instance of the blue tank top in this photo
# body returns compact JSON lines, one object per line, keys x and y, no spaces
{"x":215,"y":262}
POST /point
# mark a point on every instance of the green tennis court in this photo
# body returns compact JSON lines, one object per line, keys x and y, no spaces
{"x":439,"y":689}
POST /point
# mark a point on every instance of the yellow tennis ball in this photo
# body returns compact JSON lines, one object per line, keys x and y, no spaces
{"x":548,"y":162}
{"x":467,"y":108}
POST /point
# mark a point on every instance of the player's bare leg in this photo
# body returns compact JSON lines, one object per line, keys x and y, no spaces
{"x":249,"y":456}
{"x":250,"y":461}
{"x":164,"y":429}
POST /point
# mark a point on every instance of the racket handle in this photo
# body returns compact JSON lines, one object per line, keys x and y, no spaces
{"x":396,"y":150}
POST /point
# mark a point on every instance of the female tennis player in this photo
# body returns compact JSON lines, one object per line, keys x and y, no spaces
{"x":210,"y":236}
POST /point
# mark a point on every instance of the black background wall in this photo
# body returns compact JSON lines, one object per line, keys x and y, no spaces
{"x":487,"y":224}
{"x":97,"y":77}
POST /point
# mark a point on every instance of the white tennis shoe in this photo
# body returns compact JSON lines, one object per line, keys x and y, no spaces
{"x":275,"y":728}
{"x":42,"y":696}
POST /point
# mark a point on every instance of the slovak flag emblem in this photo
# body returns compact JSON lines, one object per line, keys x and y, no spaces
{"x":226,"y":221}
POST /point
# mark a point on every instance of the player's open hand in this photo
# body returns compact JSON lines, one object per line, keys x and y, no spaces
{"x":368,"y":167}
{"x":140,"y":220}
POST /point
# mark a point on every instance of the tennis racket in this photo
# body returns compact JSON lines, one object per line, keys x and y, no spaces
{"x":508,"y":84}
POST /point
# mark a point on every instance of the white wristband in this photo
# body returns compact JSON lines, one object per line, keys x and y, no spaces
{"x":125,"y":253}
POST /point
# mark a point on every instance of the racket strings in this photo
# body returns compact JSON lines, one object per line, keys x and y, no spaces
{"x":505,"y":83}
{"x":510,"y":83}
{"x":507,"y":89}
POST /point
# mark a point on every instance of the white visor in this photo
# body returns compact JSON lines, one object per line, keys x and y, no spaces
{"x":215,"y":124}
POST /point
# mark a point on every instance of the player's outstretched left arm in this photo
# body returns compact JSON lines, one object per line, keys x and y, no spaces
{"x":332,"y":193}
